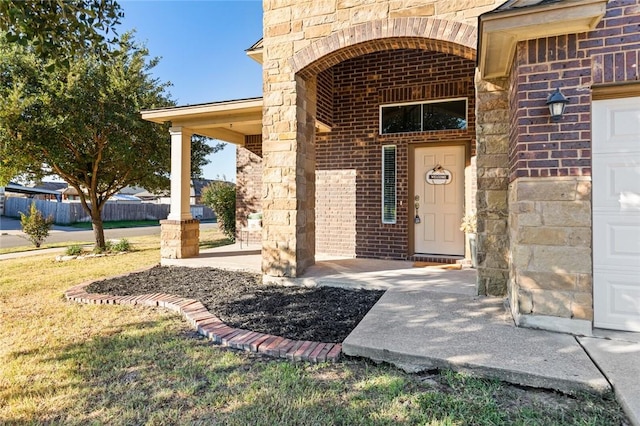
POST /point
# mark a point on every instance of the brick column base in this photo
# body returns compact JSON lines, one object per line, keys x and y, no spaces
{"x":179,"y":238}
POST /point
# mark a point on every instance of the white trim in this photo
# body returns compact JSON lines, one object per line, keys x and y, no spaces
{"x":430,"y":101}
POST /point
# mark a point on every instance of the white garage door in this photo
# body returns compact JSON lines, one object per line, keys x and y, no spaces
{"x":616,"y":213}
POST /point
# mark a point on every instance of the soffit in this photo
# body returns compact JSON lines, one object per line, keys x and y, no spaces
{"x":229,"y":121}
{"x":502,"y":29}
{"x":255,"y":51}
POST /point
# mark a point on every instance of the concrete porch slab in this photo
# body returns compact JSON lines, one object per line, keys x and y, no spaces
{"x":422,"y":330}
{"x":376,"y":274}
{"x":231,"y":257}
{"x":340,"y":272}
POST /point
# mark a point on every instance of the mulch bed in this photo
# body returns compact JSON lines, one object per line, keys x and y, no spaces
{"x":321,"y":314}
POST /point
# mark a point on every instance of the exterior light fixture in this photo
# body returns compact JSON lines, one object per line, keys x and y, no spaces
{"x":556,"y":102}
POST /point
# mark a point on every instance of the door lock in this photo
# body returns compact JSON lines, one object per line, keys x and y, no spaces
{"x":416,"y":205}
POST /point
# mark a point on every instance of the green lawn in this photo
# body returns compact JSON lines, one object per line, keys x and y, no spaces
{"x":115,"y":224}
{"x":67,"y":363}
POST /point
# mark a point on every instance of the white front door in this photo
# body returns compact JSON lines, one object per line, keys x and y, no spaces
{"x":616,"y":213}
{"x":440,"y":206}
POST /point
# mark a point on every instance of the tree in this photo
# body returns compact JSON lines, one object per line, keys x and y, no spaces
{"x":83,"y":123}
{"x":35,"y":225}
{"x":200,"y":149}
{"x":58,"y":29}
{"x":221,"y":197}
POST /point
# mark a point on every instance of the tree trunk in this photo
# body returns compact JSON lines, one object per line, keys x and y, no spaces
{"x":98,"y":229}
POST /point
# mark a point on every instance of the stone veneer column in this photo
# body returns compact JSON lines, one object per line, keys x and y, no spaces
{"x":288,"y":245}
{"x":550,"y":284}
{"x":492,"y":128}
{"x":180,"y":233}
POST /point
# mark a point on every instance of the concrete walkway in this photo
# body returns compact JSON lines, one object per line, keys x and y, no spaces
{"x":429,"y":318}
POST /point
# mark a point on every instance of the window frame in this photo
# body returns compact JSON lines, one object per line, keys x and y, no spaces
{"x":431,"y":101}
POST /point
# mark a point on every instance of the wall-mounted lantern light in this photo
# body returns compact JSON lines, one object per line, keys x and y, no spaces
{"x":556,"y":102}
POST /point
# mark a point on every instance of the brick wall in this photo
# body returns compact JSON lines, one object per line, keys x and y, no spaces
{"x":575,"y":62}
{"x":325,"y":97}
{"x":336,"y":212}
{"x":360,"y":86}
{"x":249,"y":184}
{"x":550,"y":280}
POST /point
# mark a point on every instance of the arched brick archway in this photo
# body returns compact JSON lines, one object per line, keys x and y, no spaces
{"x":291,"y":112}
{"x":432,"y":34}
{"x":313,"y":67}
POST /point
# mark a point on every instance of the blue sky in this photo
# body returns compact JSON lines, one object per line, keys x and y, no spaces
{"x":202,"y":49}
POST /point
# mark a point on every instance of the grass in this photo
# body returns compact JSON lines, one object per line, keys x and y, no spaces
{"x":69,"y":363}
{"x":208,"y":239}
{"x":44,"y":246}
{"x":115,"y":224}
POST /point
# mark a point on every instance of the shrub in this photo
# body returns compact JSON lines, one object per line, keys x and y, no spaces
{"x":74,"y":250}
{"x":35,"y":225}
{"x":221,"y":197}
{"x":122,"y":245}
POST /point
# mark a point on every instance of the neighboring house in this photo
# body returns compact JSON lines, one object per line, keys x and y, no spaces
{"x":368,"y":107}
{"x":41,"y":192}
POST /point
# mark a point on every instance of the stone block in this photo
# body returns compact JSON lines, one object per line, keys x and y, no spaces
{"x":495,"y":142}
{"x":493,"y":183}
{"x":543,"y":189}
{"x":553,"y":303}
{"x":521,"y":257}
{"x":571,"y":213}
{"x":561,"y":259}
{"x":494,"y":128}
{"x":533,"y":218}
{"x":493,"y":116}
{"x":493,"y":160}
{"x":422,"y":10}
{"x":271,"y":175}
{"x":584,"y":283}
{"x":541,"y":235}
{"x":318,"y":31}
{"x":497,"y":200}
{"x":546,"y":281}
{"x":582,"y":306}
{"x":492,"y":282}
{"x":583,"y":190}
{"x":580,"y":237}
{"x":495,"y":226}
{"x":524,"y":302}
{"x":278,"y":217}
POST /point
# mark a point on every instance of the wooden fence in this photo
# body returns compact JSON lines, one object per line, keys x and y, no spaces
{"x":67,"y":213}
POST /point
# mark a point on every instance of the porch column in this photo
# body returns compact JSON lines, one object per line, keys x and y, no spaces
{"x":288,"y":179}
{"x":180,"y":232}
{"x":180,"y":173}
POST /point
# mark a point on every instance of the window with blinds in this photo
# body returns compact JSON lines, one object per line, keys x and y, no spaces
{"x":389,"y":169}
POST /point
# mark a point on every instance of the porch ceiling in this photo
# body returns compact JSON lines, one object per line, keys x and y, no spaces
{"x":501,"y":29}
{"x":229,"y":121}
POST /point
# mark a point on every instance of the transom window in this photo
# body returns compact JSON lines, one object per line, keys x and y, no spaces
{"x":450,"y":114}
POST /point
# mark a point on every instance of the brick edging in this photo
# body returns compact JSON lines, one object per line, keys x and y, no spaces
{"x":210,"y":326}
